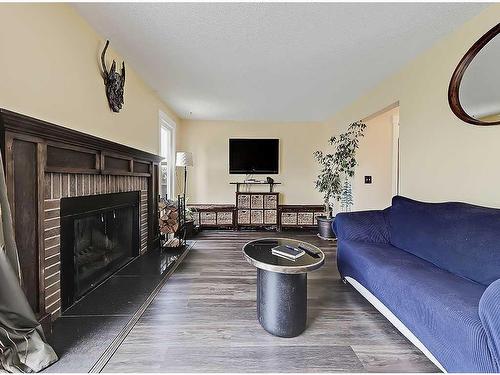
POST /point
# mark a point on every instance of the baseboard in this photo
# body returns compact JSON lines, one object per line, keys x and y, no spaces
{"x":45,"y":321}
{"x":394,"y":320}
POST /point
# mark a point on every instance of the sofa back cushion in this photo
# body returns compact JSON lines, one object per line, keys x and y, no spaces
{"x":461,"y":238}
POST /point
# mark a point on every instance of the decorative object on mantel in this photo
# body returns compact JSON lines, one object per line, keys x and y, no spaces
{"x":473,"y":93}
{"x":113,"y":81}
{"x":336,"y":167}
{"x":23,"y":345}
{"x":184,"y":159}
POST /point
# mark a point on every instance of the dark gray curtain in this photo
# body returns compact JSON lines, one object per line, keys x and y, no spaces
{"x":22,"y":343}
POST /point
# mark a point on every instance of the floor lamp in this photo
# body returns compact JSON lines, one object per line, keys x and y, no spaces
{"x":184,"y":159}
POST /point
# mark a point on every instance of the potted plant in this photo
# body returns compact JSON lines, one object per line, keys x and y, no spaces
{"x":337,"y":169}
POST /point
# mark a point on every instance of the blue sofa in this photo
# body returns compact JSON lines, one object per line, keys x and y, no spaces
{"x":434,"y":270}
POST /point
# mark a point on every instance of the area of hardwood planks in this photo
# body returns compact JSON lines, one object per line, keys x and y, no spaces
{"x":204,"y":320}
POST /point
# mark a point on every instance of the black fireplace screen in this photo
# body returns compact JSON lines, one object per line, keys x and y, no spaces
{"x":99,"y":234}
{"x":103,"y":243}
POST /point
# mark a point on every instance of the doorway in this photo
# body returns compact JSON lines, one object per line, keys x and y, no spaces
{"x":377,"y":174}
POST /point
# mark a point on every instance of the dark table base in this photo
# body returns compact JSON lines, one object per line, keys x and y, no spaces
{"x":282,"y":302}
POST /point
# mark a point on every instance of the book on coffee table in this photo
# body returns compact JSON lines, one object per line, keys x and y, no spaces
{"x":287,"y":252}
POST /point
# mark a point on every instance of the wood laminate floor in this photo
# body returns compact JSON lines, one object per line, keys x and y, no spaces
{"x":204,"y":320}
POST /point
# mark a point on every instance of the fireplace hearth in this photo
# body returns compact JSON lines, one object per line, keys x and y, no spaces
{"x":99,"y":235}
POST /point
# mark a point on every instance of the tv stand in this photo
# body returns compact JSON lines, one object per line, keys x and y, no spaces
{"x":256,"y":209}
{"x":271,"y":184}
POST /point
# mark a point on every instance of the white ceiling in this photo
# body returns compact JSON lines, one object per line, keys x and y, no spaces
{"x":269,"y":61}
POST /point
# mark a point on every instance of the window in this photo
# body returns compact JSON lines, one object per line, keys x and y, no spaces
{"x":167,"y":151}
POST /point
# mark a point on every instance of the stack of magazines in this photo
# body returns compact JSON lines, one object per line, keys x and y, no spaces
{"x":288,"y":252}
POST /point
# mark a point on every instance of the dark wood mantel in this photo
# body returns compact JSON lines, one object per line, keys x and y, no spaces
{"x":34,"y":151}
{"x":21,"y":124}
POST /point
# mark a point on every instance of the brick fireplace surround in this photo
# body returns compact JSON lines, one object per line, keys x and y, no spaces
{"x":62,"y":185}
{"x":44,"y":163}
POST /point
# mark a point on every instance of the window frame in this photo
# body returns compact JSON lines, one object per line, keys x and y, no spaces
{"x":167,"y":123}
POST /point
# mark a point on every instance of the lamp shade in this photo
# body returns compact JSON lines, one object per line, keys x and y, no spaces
{"x":184,"y":159}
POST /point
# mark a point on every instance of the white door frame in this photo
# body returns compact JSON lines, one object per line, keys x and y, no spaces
{"x":395,"y":145}
{"x":167,"y":122}
{"x":395,"y":155}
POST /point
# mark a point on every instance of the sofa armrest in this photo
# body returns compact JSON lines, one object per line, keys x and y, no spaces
{"x":489,"y":313}
{"x":365,"y":226}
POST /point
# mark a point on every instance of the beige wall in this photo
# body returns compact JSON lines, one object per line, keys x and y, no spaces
{"x":442,"y":158}
{"x":50,"y":70}
{"x":208,"y":141}
{"x":375,"y":158}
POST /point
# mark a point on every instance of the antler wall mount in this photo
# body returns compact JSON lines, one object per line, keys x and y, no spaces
{"x":113,"y":81}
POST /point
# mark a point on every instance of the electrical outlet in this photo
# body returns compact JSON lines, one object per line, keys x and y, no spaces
{"x":368,"y":179}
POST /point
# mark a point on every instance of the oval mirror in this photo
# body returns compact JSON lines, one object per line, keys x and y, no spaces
{"x":474,"y":91}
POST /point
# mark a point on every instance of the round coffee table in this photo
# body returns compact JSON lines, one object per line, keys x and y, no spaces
{"x":282,"y":285}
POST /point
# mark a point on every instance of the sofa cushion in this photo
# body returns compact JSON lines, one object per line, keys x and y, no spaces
{"x":440,"y":308}
{"x":368,"y":226}
{"x":457,"y":237}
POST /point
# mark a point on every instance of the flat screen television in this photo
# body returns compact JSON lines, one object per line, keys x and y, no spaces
{"x":253,"y":156}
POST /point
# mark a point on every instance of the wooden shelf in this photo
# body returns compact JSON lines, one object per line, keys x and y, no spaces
{"x":255,"y":183}
{"x":271,"y":184}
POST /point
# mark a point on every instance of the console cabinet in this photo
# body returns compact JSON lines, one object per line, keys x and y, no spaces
{"x":213,"y":216}
{"x":300,"y":216}
{"x":257,"y":209}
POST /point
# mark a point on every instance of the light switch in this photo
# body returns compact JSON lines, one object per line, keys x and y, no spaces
{"x":368,"y":179}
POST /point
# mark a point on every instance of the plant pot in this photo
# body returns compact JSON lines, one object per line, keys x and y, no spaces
{"x":325,"y":230}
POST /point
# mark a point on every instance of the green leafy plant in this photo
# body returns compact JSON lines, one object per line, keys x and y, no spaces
{"x":339,"y":166}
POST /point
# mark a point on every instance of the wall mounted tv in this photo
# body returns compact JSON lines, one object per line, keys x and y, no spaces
{"x":253,"y":156}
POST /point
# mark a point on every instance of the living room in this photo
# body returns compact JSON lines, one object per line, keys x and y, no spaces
{"x":249,"y":187}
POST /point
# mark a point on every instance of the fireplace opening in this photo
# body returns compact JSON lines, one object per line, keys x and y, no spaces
{"x":99,"y":235}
